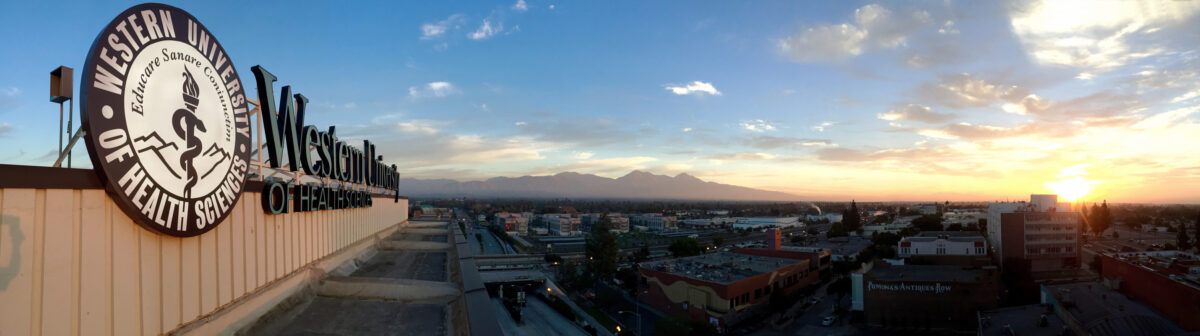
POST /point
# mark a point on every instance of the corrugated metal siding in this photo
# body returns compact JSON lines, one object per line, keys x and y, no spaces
{"x":72,"y":263}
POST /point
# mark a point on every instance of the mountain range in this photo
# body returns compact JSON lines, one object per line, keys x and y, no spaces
{"x":635,"y":185}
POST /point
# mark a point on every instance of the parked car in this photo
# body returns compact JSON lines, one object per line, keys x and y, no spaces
{"x":828,"y":320}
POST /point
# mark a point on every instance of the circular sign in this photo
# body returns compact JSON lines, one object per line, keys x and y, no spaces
{"x":166,"y":122}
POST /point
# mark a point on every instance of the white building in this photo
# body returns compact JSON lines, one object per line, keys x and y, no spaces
{"x":750,"y":223}
{"x":831,"y":217}
{"x":941,"y":244}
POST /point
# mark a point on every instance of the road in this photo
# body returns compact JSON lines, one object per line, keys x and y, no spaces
{"x":539,"y":319}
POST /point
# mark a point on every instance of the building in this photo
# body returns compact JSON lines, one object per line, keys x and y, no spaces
{"x":832,"y":217}
{"x":720,"y":288}
{"x":707,"y":222}
{"x":844,"y":248}
{"x":753,"y":223}
{"x":653,"y":222}
{"x":925,"y":297}
{"x":965,"y":217}
{"x":1090,"y":308}
{"x":512,"y":222}
{"x":562,"y":225}
{"x":1168,"y":281}
{"x":927,"y":209}
{"x":1033,"y":239}
{"x":943,"y":248}
{"x":1027,"y":320}
{"x":617,"y":222}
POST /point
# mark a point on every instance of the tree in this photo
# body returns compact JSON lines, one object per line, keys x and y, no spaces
{"x":601,"y":249}
{"x":837,"y":230}
{"x":928,"y":223}
{"x":850,"y":217}
{"x":1181,"y":239}
{"x":685,"y":247}
{"x":1197,"y":228}
{"x":718,"y":241}
{"x":641,"y":255}
{"x":553,"y":258}
{"x":954,"y":227}
{"x":1100,"y":218}
{"x":841,"y":287}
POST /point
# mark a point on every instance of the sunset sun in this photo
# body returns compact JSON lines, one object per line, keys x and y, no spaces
{"x":1071,"y":189}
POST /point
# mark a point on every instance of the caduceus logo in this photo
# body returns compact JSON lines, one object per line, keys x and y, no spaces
{"x":186,"y":124}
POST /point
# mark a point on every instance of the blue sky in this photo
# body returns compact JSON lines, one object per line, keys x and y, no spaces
{"x":828,"y":100}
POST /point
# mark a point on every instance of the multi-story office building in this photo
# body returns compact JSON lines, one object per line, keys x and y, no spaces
{"x":1035,"y":239}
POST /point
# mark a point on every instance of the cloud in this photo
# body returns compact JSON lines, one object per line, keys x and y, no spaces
{"x":583,"y":155}
{"x":438,"y":29}
{"x":551,"y":7}
{"x":963,"y":90}
{"x":757,"y":125}
{"x":873,"y":26}
{"x":600,"y":166}
{"x":1097,"y":36}
{"x":427,"y":127}
{"x":486,"y":30}
{"x":6,"y":129}
{"x":10,"y":99}
{"x":687,"y":129}
{"x":915,"y":112}
{"x":697,"y":88}
{"x":520,"y":6}
{"x":824,"y":124}
{"x":585,"y":132}
{"x":775,"y":142}
{"x":741,"y":157}
{"x":520,"y":123}
{"x":433,"y":90}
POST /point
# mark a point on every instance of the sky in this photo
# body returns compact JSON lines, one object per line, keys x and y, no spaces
{"x":875,"y":101}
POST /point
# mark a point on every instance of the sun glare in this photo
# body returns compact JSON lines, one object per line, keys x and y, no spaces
{"x":1071,"y":189}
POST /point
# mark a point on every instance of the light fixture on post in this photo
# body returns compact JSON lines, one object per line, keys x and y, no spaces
{"x":61,"y":80}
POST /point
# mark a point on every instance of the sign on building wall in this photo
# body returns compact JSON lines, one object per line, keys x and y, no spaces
{"x":166,"y":122}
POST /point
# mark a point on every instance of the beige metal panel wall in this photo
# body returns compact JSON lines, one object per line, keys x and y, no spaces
{"x":72,"y":263}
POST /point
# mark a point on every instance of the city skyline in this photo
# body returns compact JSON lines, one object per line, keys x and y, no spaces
{"x":864,"y":100}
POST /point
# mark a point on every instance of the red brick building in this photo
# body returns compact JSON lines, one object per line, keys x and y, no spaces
{"x":1164,"y":280}
{"x":720,"y":288}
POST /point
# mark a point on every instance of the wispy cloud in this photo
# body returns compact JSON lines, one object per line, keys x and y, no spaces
{"x":872,"y":26}
{"x":696,"y":88}
{"x":486,"y":30}
{"x":916,"y":112}
{"x":823,"y":125}
{"x":757,"y":125}
{"x":432,"y":90}
{"x":520,"y":6}
{"x":438,"y":29}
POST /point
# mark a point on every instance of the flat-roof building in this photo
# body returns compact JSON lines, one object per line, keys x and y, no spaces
{"x":942,"y":248}
{"x":721,"y":288}
{"x":1090,"y":308}
{"x":924,"y":297}
{"x":1168,"y":281}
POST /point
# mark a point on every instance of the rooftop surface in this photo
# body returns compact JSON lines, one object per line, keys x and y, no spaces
{"x":721,"y":267}
{"x":1021,"y":320}
{"x":1180,"y":266}
{"x":844,"y":245}
{"x":942,"y":273}
{"x":1102,"y":311}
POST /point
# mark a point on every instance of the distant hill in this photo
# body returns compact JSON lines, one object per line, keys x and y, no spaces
{"x":635,"y":185}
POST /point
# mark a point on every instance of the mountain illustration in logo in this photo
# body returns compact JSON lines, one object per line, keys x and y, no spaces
{"x":213,"y":156}
{"x":155,"y":144}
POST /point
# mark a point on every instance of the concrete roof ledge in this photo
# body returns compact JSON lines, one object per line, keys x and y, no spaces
{"x":425,"y":225}
{"x":389,"y":289}
{"x":413,"y":245}
{"x":424,"y":231}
